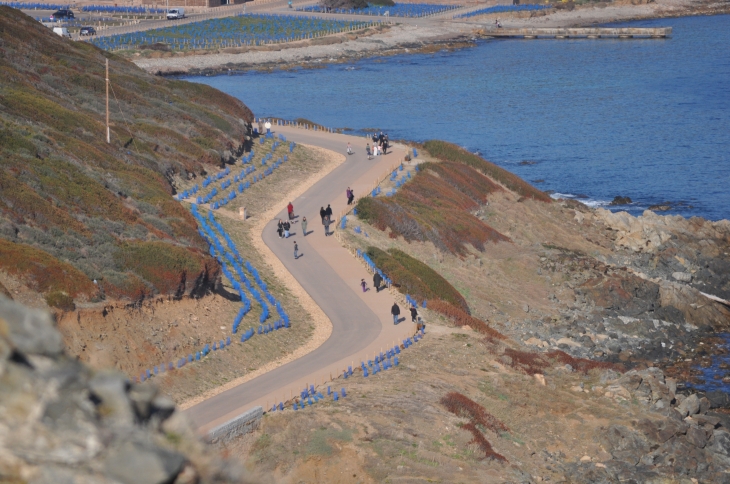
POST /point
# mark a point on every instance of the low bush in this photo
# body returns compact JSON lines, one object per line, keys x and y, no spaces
{"x":60,"y":300}
{"x":450,"y":152}
{"x":461,"y":318}
{"x":43,"y":272}
{"x":462,"y":406}
{"x":435,"y":206}
{"x":413,"y":277}
{"x":583,"y":365}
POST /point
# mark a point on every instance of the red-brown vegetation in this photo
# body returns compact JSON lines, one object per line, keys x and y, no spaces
{"x":435,"y":206}
{"x":477,"y":415}
{"x":460,"y":318}
{"x":532,"y":363}
{"x":450,"y":152}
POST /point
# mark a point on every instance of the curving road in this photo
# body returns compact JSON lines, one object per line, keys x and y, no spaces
{"x":361,"y":322}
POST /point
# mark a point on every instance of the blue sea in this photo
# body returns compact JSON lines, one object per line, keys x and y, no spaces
{"x":588,"y":119}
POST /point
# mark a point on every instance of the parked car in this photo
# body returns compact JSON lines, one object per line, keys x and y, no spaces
{"x":62,"y":31}
{"x":87,"y":31}
{"x":62,"y":14}
{"x":175,"y":13}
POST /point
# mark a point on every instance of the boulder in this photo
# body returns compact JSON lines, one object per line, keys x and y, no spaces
{"x":689,"y":406}
{"x":682,"y":276}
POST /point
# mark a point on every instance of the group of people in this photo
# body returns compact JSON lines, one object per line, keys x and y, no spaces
{"x":395,"y":312}
{"x":326,"y":216}
{"x":380,"y":145}
{"x":350,"y":195}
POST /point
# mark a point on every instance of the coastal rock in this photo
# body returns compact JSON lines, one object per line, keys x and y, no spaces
{"x":67,"y":423}
{"x":620,"y":201}
{"x":689,"y":406}
{"x":682,"y":276}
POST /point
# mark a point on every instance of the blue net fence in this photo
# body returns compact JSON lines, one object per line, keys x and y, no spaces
{"x":237,"y":31}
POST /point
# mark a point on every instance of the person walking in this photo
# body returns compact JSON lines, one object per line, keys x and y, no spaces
{"x":351,"y":197}
{"x":326,"y":222}
{"x":385,"y":145}
{"x":364,"y":285}
{"x":304,"y":226}
{"x":368,"y":151}
{"x":261,"y":127}
{"x":377,"y":279}
{"x":268,"y":127}
{"x":395,"y":311}
{"x":290,"y":210}
{"x":414,"y":314}
{"x":296,"y":250}
{"x":280,"y":228}
{"x":322,"y":213}
{"x":328,"y":212}
{"x":287,"y":227}
{"x":348,"y":193}
{"x":349,"y":148}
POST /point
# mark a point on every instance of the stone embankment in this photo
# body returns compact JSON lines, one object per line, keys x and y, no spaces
{"x":61,"y":421}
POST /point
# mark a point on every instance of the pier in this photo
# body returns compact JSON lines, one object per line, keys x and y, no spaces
{"x":580,"y":33}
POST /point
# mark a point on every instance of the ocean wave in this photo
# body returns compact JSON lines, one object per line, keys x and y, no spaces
{"x":581,"y":198}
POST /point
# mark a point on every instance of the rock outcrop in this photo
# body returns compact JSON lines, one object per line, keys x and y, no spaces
{"x":60,"y":421}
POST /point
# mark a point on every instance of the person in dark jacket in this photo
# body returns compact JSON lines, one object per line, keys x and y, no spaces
{"x":280,"y":228}
{"x":287,"y":227}
{"x":328,"y":212}
{"x":414,"y":314}
{"x":326,"y":223}
{"x":296,"y":250}
{"x":322,"y":213}
{"x":350,"y":197}
{"x":376,"y":281}
{"x":395,"y":311}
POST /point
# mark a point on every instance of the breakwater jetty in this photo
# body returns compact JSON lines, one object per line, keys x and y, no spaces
{"x":581,"y":33}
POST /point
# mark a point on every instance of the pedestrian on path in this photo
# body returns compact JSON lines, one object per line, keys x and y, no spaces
{"x":322,"y":213}
{"x":304,"y":226}
{"x":395,"y":311}
{"x":328,"y":212}
{"x":348,"y":193}
{"x":268,"y":127}
{"x":350,"y":197}
{"x":280,"y":228}
{"x":261,"y":127}
{"x":349,"y":148}
{"x":368,"y":151}
{"x":296,"y":250}
{"x":326,"y":222}
{"x":376,"y":281}
{"x":290,"y":210}
{"x":287,"y":227}
{"x":364,"y":285}
{"x":414,"y":314}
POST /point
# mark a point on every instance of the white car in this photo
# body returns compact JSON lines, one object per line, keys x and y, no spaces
{"x":175,"y":13}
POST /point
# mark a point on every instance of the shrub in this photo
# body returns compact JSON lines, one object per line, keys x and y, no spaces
{"x":461,"y":318}
{"x":43,"y":272}
{"x":435,"y":206}
{"x":582,"y":364}
{"x":413,"y":277}
{"x":450,"y":152}
{"x":60,"y":300}
{"x":462,"y":406}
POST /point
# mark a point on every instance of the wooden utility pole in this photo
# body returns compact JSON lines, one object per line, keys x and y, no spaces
{"x":108,"y":134}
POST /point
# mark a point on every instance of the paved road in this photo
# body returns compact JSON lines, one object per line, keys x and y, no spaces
{"x":329,"y":274}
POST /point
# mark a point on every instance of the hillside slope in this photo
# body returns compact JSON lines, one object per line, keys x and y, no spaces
{"x":74,"y":208}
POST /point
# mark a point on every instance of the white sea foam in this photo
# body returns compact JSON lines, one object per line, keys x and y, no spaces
{"x":585,"y":201}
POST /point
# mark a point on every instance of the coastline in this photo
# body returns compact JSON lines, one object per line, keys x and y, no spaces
{"x":432,"y":36}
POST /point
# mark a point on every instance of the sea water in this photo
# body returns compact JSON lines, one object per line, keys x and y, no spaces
{"x":589,"y":119}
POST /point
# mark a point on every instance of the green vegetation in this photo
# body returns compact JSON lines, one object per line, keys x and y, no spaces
{"x":413,"y":277}
{"x":450,"y":152}
{"x":436,"y":206}
{"x":74,"y":208}
{"x":60,"y":300}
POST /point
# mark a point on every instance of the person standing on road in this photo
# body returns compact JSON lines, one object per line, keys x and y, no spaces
{"x":328,"y":212}
{"x":280,"y":228}
{"x":395,"y":311}
{"x":376,"y":281}
{"x":268,"y":126}
{"x":290,"y":210}
{"x":296,"y":250}
{"x":414,"y":314}
{"x":367,"y":150}
{"x":304,"y":226}
{"x":351,"y":197}
{"x":322,"y":213}
{"x":349,"y":148}
{"x":287,"y":227}
{"x":261,"y":127}
{"x":348,"y":192}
